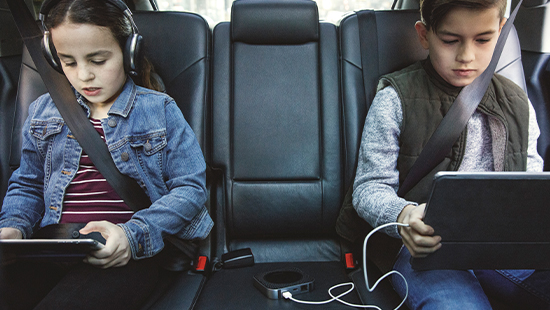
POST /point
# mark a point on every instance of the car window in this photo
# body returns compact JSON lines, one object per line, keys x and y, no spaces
{"x":220,"y":10}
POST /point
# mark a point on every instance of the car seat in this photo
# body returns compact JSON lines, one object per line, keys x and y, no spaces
{"x":277,"y":144}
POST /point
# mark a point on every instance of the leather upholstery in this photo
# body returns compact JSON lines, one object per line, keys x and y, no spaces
{"x":9,"y":76}
{"x":277,"y":133}
{"x":179,"y":46}
{"x":30,"y":87}
{"x":277,"y":142}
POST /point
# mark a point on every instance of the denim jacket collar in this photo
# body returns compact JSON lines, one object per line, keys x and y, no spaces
{"x":122,"y":105}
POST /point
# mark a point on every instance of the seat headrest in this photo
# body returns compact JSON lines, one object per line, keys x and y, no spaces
{"x":274,"y":22}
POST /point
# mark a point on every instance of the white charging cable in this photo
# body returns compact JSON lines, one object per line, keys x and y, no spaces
{"x":288,"y":295}
{"x":387,"y":274}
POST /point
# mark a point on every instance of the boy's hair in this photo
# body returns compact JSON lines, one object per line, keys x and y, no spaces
{"x":104,"y":14}
{"x":432,"y":12}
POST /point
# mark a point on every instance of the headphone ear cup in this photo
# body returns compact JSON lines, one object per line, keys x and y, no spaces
{"x":50,"y":53}
{"x":133,"y":54}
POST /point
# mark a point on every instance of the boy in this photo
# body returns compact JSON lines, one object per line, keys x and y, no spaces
{"x":460,"y":36}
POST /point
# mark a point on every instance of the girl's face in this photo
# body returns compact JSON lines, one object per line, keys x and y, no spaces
{"x":91,"y":59}
{"x":461,"y":49}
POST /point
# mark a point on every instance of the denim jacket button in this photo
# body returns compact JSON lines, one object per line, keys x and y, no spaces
{"x":112,"y":123}
{"x":124,"y":156}
{"x":147,"y":147}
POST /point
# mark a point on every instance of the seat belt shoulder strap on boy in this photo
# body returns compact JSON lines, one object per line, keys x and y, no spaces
{"x":454,"y":122}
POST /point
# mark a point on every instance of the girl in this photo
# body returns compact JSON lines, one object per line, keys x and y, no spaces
{"x":149,"y":141}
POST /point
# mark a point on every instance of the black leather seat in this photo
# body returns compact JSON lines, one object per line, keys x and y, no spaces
{"x":179,"y":45}
{"x":392,"y":45}
{"x":277,"y":142}
{"x":183,"y":63}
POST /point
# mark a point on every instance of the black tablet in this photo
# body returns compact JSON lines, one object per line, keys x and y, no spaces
{"x":48,"y":249}
{"x":489,"y":220}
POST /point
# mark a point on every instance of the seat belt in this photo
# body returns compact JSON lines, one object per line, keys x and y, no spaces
{"x":454,"y":122}
{"x":73,"y":114}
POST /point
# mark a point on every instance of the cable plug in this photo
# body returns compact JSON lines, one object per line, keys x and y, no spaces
{"x":287,"y":295}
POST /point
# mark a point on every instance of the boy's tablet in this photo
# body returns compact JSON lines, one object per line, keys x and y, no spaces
{"x":48,"y":249}
{"x":489,"y":220}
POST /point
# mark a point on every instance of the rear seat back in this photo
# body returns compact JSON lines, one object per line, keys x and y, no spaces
{"x":277,"y":131}
{"x":392,"y":45}
{"x":180,"y":45}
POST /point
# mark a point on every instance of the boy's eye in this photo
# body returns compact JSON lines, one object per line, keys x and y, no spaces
{"x":98,"y":62}
{"x":70,"y":64}
{"x":449,"y":41}
{"x":482,"y":41}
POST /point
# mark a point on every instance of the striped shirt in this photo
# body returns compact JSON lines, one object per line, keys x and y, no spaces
{"x":89,"y":197}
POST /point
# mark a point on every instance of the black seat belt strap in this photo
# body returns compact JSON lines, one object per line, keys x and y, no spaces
{"x":454,"y":122}
{"x":73,"y":114}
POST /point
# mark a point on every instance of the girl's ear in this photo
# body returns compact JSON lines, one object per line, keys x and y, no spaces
{"x":422,"y":34}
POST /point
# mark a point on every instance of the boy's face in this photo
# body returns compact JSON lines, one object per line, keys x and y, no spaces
{"x":462,"y":47}
{"x":91,"y":60}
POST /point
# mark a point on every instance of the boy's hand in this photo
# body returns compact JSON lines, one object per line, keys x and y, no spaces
{"x":418,"y":237}
{"x":116,"y":252}
{"x":10,"y":233}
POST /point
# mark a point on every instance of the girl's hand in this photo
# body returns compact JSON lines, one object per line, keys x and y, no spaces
{"x":10,"y":233}
{"x":116,"y":252}
{"x":418,"y":237}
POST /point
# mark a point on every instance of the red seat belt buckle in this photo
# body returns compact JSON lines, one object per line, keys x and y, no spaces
{"x":201,"y":263}
{"x":350,"y":262}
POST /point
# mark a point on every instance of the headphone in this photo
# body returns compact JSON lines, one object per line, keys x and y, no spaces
{"x":132,"y":51}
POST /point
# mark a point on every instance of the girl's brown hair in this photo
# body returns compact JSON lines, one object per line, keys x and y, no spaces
{"x":104,"y":14}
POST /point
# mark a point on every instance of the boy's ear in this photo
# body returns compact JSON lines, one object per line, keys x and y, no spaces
{"x":422,"y":34}
{"x":502,"y":22}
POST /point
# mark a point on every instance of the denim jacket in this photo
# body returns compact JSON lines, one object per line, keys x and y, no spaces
{"x":149,"y":140}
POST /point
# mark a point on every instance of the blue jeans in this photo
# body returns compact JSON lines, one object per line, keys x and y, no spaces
{"x":471,"y":289}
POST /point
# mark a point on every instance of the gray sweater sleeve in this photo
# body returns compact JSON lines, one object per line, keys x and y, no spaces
{"x":377,"y":178}
{"x":534,"y":161}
